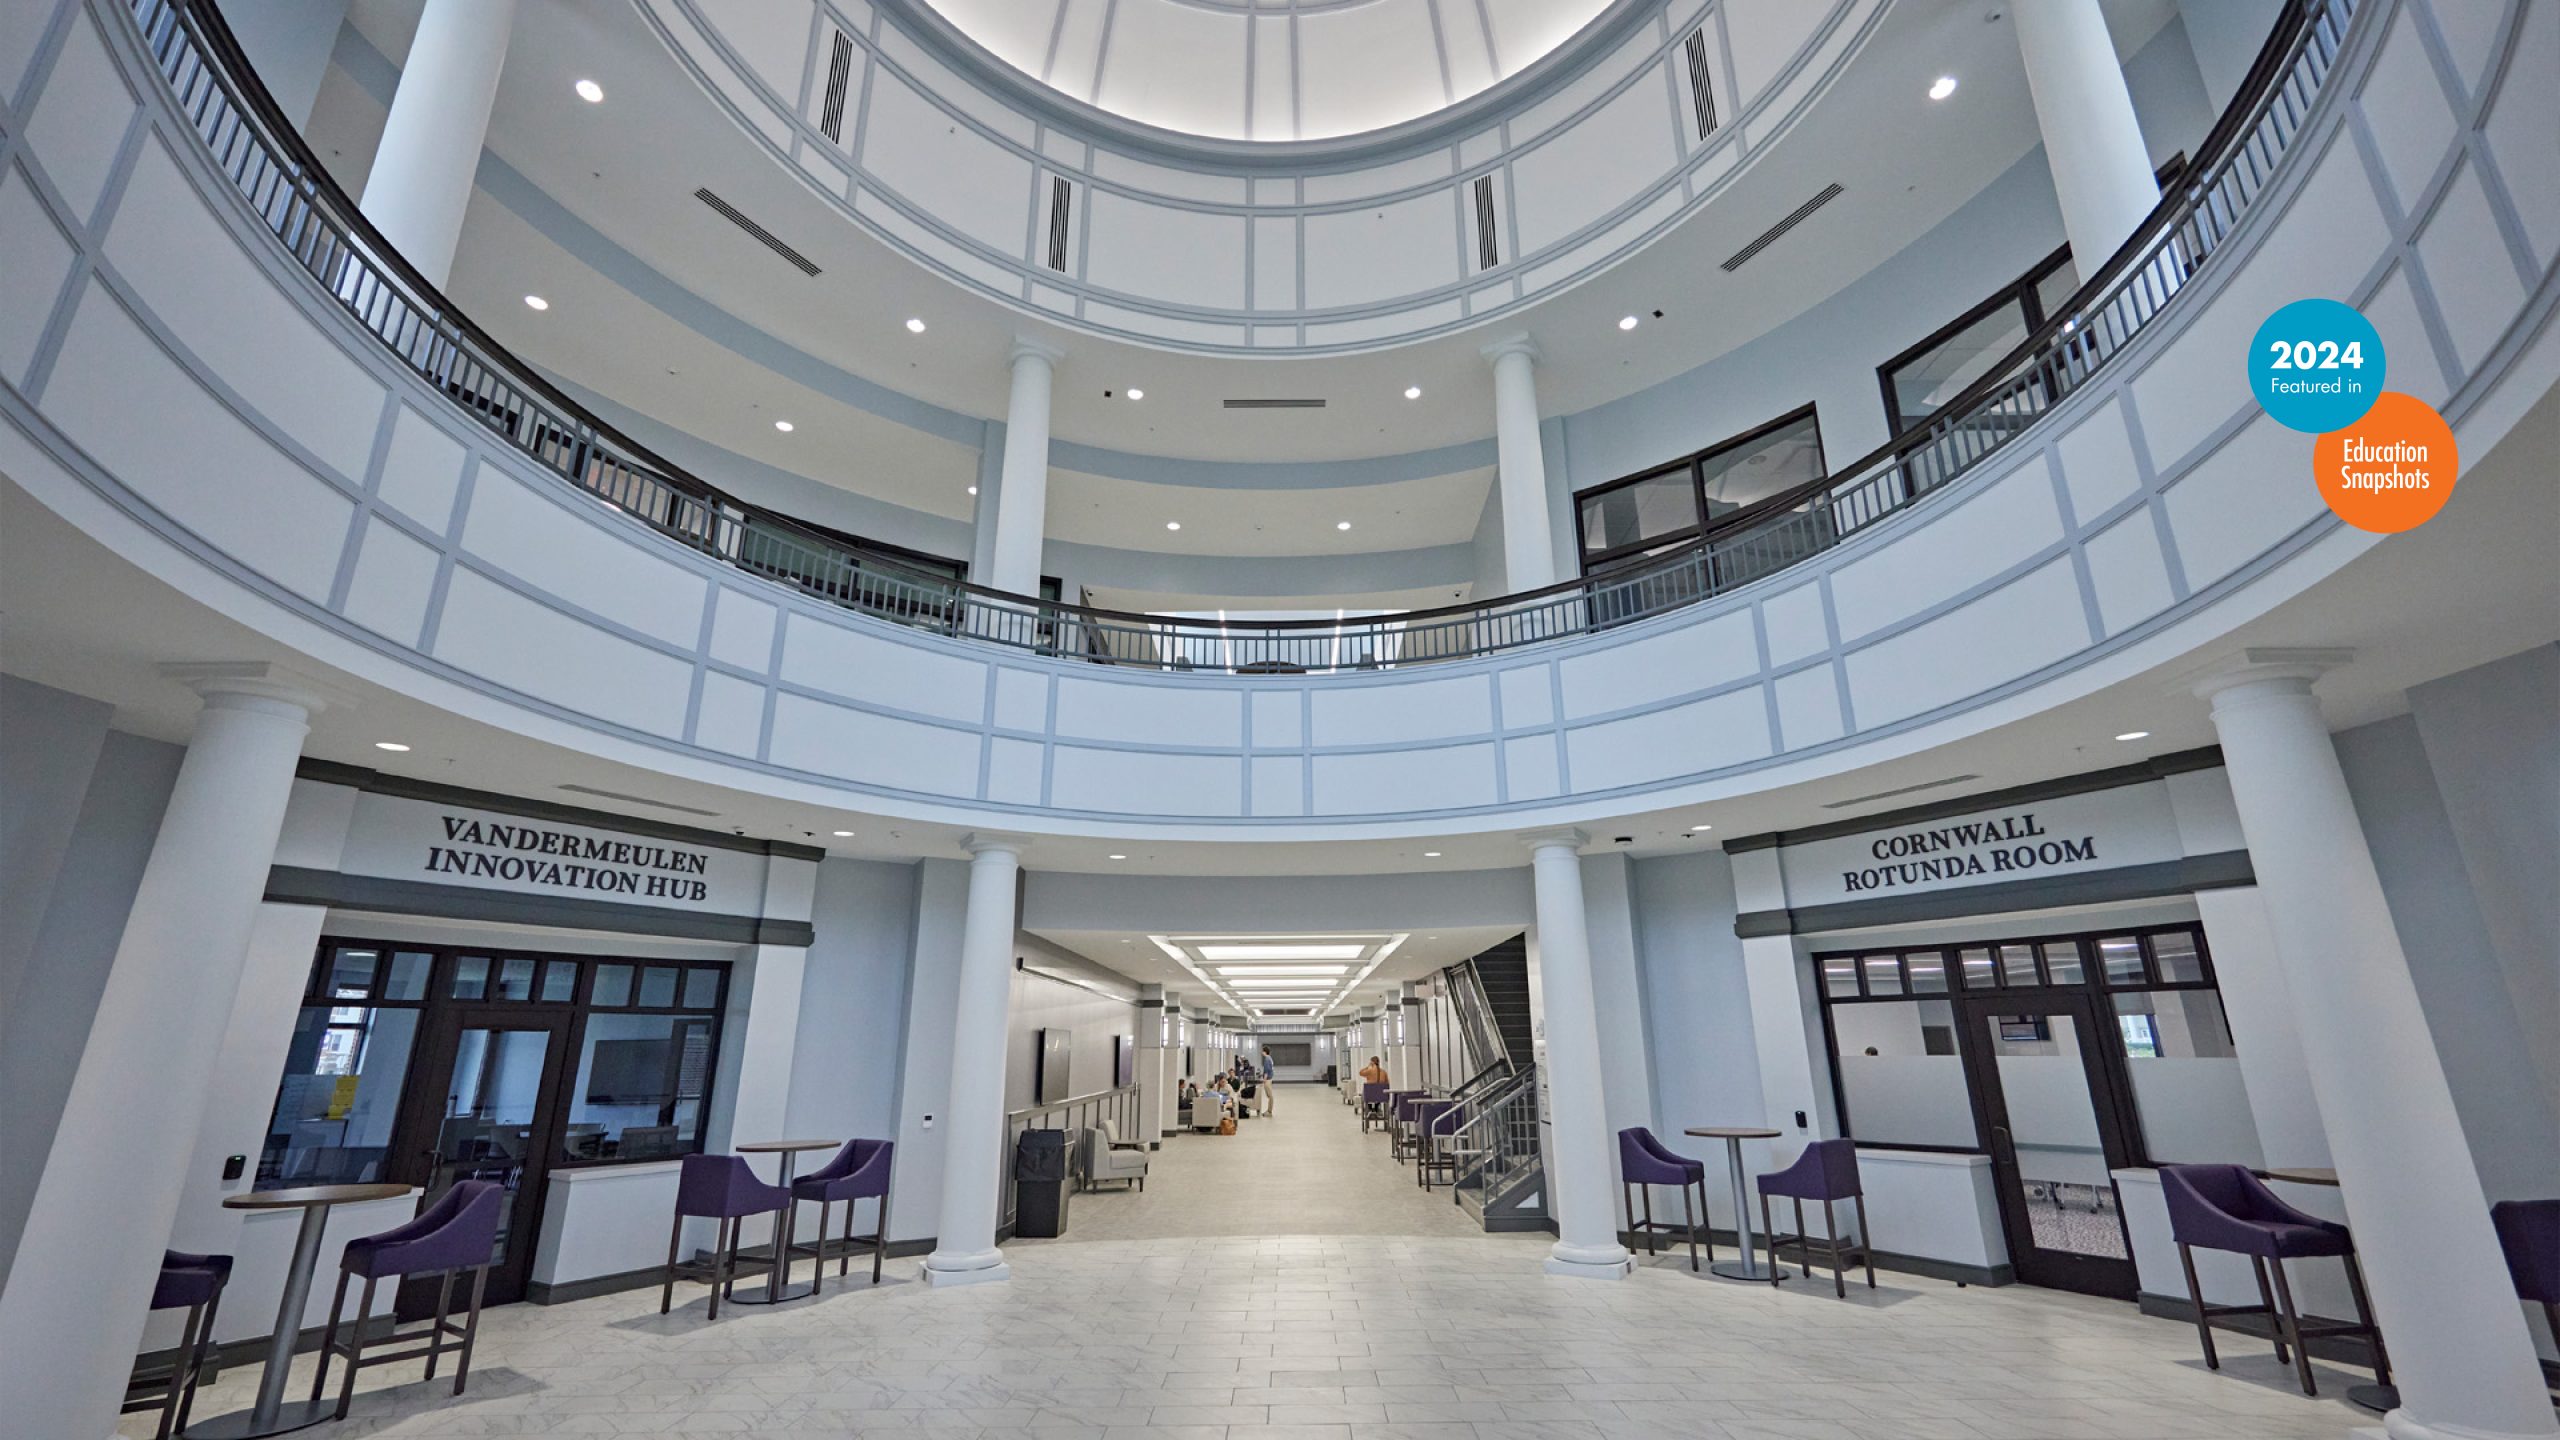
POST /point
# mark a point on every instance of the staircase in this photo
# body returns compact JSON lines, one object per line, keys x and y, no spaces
{"x":1503,"y":974}
{"x":1500,"y":1173}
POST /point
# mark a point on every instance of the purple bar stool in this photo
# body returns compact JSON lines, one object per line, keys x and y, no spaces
{"x":860,"y":1171}
{"x":458,"y":1232}
{"x":1435,"y":1121}
{"x":1827,"y":1171}
{"x":2224,"y":1207}
{"x":1644,"y":1162}
{"x":722,"y":1188}
{"x":2529,"y":1232}
{"x":1373,"y":1105}
{"x":1400,"y":1105}
{"x":195,"y":1283}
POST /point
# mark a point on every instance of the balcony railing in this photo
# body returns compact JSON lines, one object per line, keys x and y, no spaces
{"x":264,"y":157}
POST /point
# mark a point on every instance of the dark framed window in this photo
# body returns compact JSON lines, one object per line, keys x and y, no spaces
{"x":1892,"y":1017}
{"x":1933,"y":372}
{"x":644,"y":1037}
{"x":1670,"y":505}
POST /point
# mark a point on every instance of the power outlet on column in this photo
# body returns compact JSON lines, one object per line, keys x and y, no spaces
{"x":1799,"y":1119}
{"x":928,"y":1122}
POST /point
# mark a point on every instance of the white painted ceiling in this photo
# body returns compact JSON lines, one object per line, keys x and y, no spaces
{"x":1269,"y":69}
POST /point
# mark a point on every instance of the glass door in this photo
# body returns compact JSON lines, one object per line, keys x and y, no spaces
{"x":2054,"y":1122}
{"x":485,"y":1105}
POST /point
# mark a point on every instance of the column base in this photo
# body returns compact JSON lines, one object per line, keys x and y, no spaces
{"x":982,"y":1267}
{"x":1590,"y":1262}
{"x":2399,"y":1425}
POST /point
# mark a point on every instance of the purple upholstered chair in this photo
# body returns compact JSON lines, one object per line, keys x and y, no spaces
{"x":458,"y":1233}
{"x":1827,"y":1171}
{"x":1400,"y":1105}
{"x":193,"y":1283}
{"x":1434,"y":1121}
{"x":1644,"y":1162}
{"x":722,"y":1188}
{"x":2529,"y":1231}
{"x":2225,"y":1207}
{"x":860,"y":1171}
{"x":1373,"y":1104}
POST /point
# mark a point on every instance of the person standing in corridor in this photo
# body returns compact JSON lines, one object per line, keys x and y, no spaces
{"x":1267,"y":1085}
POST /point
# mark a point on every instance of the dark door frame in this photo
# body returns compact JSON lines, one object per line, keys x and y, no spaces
{"x":2109,"y":1099}
{"x":416,"y":1152}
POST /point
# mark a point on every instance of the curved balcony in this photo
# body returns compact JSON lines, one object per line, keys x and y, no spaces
{"x":334,"y":458}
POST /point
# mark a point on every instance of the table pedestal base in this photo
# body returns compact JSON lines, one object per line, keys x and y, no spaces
{"x":764,"y":1294}
{"x":243,"y":1424}
{"x":2380,"y":1399}
{"x":1746,"y":1270}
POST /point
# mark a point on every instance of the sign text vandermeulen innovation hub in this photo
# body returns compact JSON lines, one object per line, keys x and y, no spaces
{"x":1998,"y":845}
{"x":541,"y":855}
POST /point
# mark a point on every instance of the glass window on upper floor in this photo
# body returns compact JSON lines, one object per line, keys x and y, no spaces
{"x":1921,"y":380}
{"x":1668,"y":507}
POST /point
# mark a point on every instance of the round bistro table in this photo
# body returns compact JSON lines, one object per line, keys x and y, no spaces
{"x":1749,"y":1266}
{"x":778,"y":1286}
{"x":271,"y":1415}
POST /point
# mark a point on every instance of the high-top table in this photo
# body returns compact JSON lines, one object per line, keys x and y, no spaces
{"x":2380,"y":1399}
{"x":1749,"y":1266}
{"x":778,"y":1287}
{"x":271,"y":1415}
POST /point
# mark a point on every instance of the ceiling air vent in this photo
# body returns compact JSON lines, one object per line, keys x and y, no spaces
{"x":636,"y":799}
{"x":1061,"y":200}
{"x":1905,"y":790}
{"x":1234,"y":403}
{"x":1794,"y":218}
{"x":764,"y":237}
{"x":839,"y":78}
{"x":1702,"y":88}
{"x":1488,"y":241}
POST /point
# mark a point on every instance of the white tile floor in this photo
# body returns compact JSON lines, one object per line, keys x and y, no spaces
{"x":1343,"y":1336}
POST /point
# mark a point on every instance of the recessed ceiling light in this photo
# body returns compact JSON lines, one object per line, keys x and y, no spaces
{"x":1413,"y":392}
{"x":2135,"y":735}
{"x":1137,"y":394}
{"x":391,"y":745}
{"x":1173,"y":524}
{"x":973,"y":489}
{"x":1430,"y":854}
{"x":1341,"y":524}
{"x":536,"y":302}
{"x":590,"y":91}
{"x":782,"y":425}
{"x":915,"y":326}
{"x":1283,"y":950}
{"x":1626,"y":322}
{"x":1945,"y":87}
{"x":1119,"y":857}
{"x":844,"y":834}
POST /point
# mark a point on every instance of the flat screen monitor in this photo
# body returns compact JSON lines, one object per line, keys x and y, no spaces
{"x":1056,"y":1045}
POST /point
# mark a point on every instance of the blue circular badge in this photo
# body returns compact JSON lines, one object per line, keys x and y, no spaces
{"x":2316,"y":366}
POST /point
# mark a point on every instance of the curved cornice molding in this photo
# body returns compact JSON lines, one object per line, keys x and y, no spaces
{"x":1257,"y":253}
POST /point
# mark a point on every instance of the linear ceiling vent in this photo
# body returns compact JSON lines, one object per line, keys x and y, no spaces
{"x":764,"y":237}
{"x":1488,"y":240}
{"x":637,"y":799}
{"x":1062,"y":196}
{"x":1770,"y":236}
{"x":1260,"y":404}
{"x":1702,"y":88}
{"x":839,"y":79}
{"x":1905,"y":790}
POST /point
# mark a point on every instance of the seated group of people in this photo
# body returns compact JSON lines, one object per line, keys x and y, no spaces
{"x":1230,"y":1095}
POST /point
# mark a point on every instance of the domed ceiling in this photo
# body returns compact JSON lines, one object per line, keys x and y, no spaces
{"x":1269,"y":69}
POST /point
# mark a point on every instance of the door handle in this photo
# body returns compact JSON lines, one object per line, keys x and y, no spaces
{"x":2000,"y":1141}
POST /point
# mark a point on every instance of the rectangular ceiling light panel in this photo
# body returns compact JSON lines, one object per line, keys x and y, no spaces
{"x":1350,"y":950}
{"x":1318,"y":971}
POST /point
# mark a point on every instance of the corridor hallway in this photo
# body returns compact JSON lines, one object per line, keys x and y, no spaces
{"x":1305,"y":1169}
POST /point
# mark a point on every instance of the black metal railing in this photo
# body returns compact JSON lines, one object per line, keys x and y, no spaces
{"x":218,"y":92}
{"x":1120,"y":1108}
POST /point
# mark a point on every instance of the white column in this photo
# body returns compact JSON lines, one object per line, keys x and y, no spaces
{"x":1018,"y":517}
{"x":1156,"y":1116}
{"x":422,"y":173}
{"x":965,"y":1250}
{"x":80,"y":1285}
{"x":1528,"y":531}
{"x":2101,"y":170}
{"x":1580,"y":1163}
{"x":2460,"y":1354}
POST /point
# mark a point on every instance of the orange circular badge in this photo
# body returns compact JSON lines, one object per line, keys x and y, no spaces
{"x":2390,"y":471}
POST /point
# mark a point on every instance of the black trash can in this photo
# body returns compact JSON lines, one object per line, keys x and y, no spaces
{"x":1040,"y":1185}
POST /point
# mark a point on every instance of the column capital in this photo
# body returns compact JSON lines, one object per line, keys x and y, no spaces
{"x":216,"y":680}
{"x":991,"y":842}
{"x":2291,"y":667}
{"x":1520,"y":344}
{"x":1026,"y":348}
{"x":1567,"y":837}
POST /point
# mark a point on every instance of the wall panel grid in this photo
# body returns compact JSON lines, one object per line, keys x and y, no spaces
{"x":1588,"y":160}
{"x":698,"y":660}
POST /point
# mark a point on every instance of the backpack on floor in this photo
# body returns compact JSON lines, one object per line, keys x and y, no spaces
{"x":1227,"y":1126}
